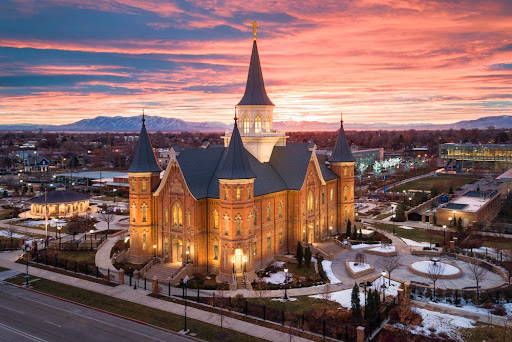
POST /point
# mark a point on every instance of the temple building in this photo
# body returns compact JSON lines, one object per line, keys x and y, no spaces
{"x":230,"y":210}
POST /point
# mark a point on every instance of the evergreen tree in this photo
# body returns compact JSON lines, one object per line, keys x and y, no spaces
{"x":456,"y":300}
{"x":360,"y":235}
{"x":307,"y":257}
{"x":356,"y":304}
{"x":299,"y":255}
{"x":400,"y":213}
{"x":349,"y":228}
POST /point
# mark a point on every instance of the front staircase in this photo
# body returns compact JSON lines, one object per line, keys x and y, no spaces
{"x":164,"y":272}
{"x":239,"y":282}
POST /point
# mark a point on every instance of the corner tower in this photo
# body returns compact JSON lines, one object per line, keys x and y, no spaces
{"x":255,"y":111}
{"x":236,"y":204}
{"x":143,"y":176}
{"x":342,"y":163}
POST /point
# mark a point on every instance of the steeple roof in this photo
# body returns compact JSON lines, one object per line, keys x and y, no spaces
{"x":235,"y":163}
{"x":255,"y":93}
{"x":341,"y":151}
{"x":144,"y":158}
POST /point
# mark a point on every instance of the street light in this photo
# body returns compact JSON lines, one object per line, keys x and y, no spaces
{"x":58,"y":230}
{"x":187,"y":253}
{"x":383,"y":286}
{"x":285,"y":284}
{"x":154,"y":250}
{"x":27,"y":256}
{"x":444,"y":234}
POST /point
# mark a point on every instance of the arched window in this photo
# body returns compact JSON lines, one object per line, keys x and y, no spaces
{"x":345,"y":192}
{"x":226,"y":224}
{"x":144,"y":241}
{"x":216,"y":250}
{"x":280,"y":209}
{"x":257,"y":124}
{"x":331,"y":194}
{"x":188,"y":218}
{"x":238,"y":193}
{"x":238,"y":225}
{"x":166,"y":216}
{"x":311,"y":201}
{"x":254,"y":217}
{"x":266,"y":125}
{"x":245,"y":125}
{"x":144,"y":212}
{"x":177,"y":214}
{"x":144,"y":185}
{"x":215,"y":219}
{"x":269,"y":213}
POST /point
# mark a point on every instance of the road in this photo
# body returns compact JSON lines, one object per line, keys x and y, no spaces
{"x":29,"y":316}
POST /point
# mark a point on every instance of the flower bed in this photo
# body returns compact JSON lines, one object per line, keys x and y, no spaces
{"x":358,"y":269}
{"x":421,"y":268}
{"x":384,"y":250}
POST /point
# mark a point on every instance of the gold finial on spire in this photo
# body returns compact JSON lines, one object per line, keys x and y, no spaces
{"x":143,"y":117}
{"x":255,"y":26}
{"x":341,"y":117}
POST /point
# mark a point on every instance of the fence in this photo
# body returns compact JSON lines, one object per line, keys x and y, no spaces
{"x":10,"y":244}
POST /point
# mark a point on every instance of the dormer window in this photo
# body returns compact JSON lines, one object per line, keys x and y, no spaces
{"x":257,"y":125}
{"x":246,"y":125}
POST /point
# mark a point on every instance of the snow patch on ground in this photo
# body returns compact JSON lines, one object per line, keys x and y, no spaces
{"x":344,"y":297}
{"x":406,"y":227}
{"x":275,"y":278}
{"x":327,"y":266}
{"x":364,"y":245}
{"x":290,"y":299}
{"x":358,"y":266}
{"x":14,"y":235}
{"x":423,"y":266}
{"x":384,"y":249}
{"x":51,"y":222}
{"x":278,"y":263}
{"x":436,"y":322}
{"x":413,"y":243}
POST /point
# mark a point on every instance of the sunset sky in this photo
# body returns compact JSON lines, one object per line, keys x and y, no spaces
{"x":382,"y":61}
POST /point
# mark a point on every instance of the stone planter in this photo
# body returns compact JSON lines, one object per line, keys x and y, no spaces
{"x":357,"y":274}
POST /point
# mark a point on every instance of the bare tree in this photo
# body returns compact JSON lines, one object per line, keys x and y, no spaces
{"x":389,"y":264}
{"x":435,"y":271}
{"x":107,"y":215}
{"x":479,"y":275}
{"x":360,"y":258}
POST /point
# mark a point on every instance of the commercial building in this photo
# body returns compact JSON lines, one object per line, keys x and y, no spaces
{"x":476,"y":157}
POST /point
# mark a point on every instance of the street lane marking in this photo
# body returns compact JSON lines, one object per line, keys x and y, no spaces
{"x":22,"y":333}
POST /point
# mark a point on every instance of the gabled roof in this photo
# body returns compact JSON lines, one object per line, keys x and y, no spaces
{"x":341,"y":151}
{"x":144,"y":158}
{"x":286,"y":169}
{"x":255,"y":93}
{"x":234,"y":163}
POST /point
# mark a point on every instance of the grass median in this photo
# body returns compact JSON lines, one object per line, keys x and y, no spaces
{"x":136,"y":311}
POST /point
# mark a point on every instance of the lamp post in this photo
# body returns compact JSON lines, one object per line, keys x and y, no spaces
{"x":154,"y":250}
{"x":383,"y":286}
{"x":90,"y":235}
{"x":184,"y":290}
{"x":27,"y":256}
{"x":233,"y":263}
{"x":115,"y":194}
{"x":187,"y":253}
{"x":285,"y":284}
{"x":444,"y":235}
{"x":58,"y":230}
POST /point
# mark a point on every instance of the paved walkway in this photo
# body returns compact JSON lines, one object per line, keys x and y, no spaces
{"x":140,"y":296}
{"x":414,"y":224}
{"x":102,"y":258}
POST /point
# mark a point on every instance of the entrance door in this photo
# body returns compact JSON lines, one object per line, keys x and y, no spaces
{"x":177,"y":251}
{"x":239,"y":257}
{"x":311,"y":233}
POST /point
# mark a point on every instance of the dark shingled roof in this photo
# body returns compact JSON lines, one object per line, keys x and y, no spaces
{"x":144,"y":159}
{"x":234,"y":163}
{"x":341,"y":151}
{"x":58,"y":196}
{"x":255,"y":93}
{"x":285,"y":171}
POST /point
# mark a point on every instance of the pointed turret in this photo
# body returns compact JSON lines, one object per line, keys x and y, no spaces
{"x":144,"y":158}
{"x":341,"y":151}
{"x":235,"y":162}
{"x":255,"y":93}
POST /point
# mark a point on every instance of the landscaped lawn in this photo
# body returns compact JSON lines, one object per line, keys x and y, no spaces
{"x":139,"y":312}
{"x":441,"y":182}
{"x":5,"y":213}
{"x":489,"y":333}
{"x":416,"y":234}
{"x":300,"y":305}
{"x":78,"y":256}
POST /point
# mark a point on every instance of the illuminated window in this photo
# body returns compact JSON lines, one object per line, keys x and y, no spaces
{"x":216,"y":252}
{"x":166,"y":216}
{"x":331,"y":194}
{"x":280,"y":209}
{"x":144,"y":185}
{"x":144,"y":241}
{"x":257,"y":125}
{"x":345,"y":192}
{"x":238,"y":225}
{"x":269,"y":213}
{"x":266,"y":125}
{"x":188,"y":217}
{"x":245,"y":125}
{"x":177,"y":214}
{"x":144,"y":212}
{"x":281,"y":238}
{"x":133,"y":212}
{"x":238,"y":194}
{"x":215,"y":219}
{"x":310,"y":201}
{"x":226,"y":225}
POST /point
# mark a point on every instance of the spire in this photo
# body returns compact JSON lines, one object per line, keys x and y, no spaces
{"x":144,"y":158}
{"x":255,"y":93}
{"x":341,"y":151}
{"x":235,"y":163}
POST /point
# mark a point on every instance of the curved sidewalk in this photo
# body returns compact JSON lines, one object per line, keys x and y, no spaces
{"x":102,"y":258}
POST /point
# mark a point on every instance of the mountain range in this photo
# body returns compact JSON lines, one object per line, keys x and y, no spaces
{"x":158,"y":123}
